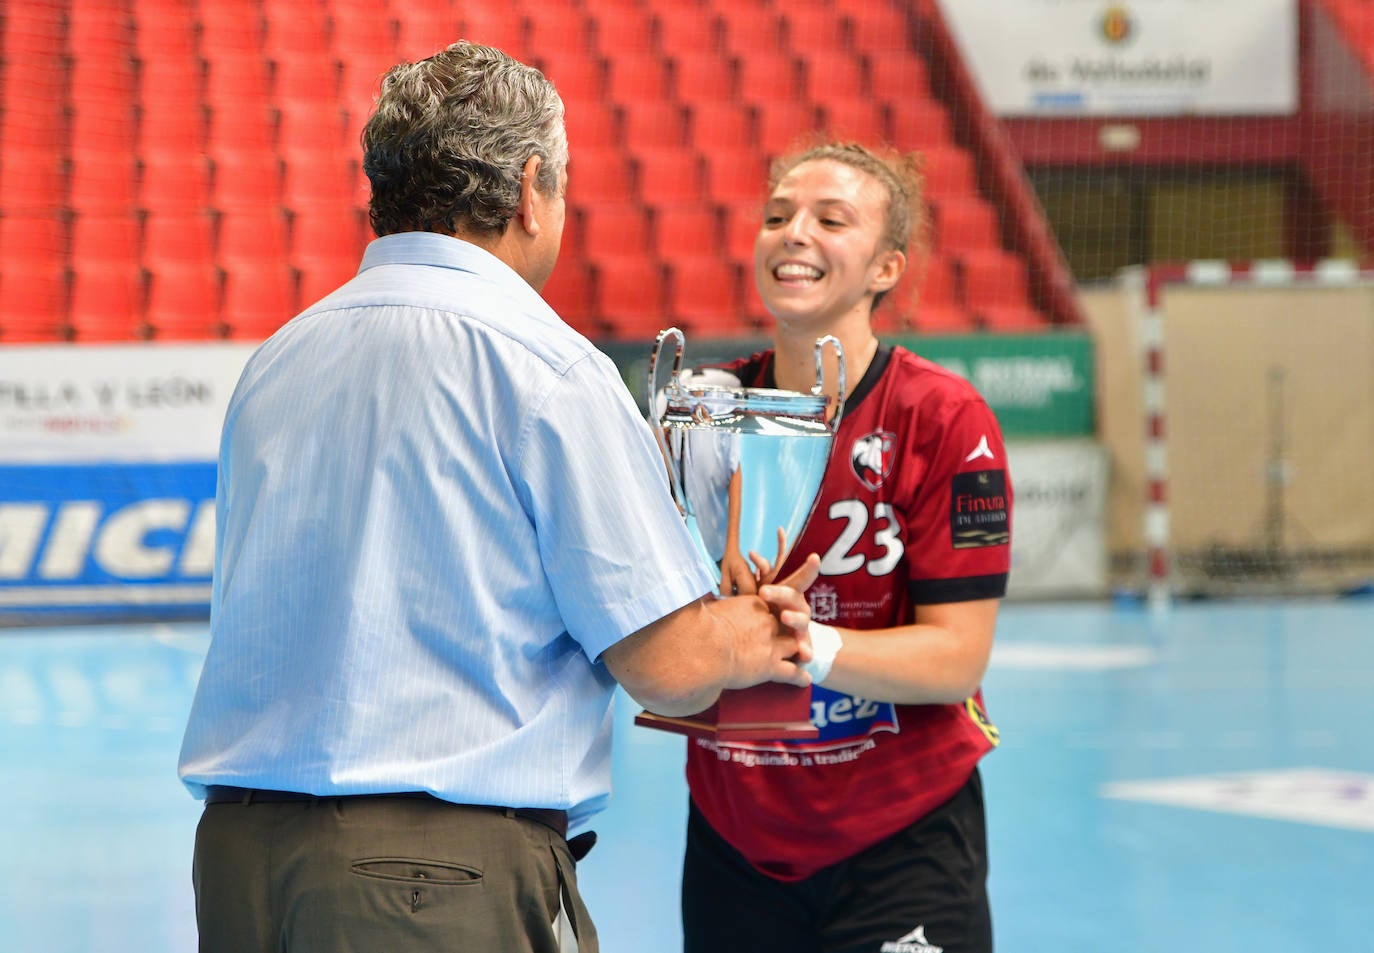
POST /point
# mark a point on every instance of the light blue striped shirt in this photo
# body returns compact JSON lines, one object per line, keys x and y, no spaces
{"x":437,"y":506}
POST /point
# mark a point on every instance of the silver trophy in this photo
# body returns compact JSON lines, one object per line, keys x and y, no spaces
{"x":745,"y":464}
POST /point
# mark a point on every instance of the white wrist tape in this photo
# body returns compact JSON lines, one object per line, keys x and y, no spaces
{"x":825,"y":645}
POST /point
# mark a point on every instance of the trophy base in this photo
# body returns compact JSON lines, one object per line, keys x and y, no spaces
{"x":768,"y":712}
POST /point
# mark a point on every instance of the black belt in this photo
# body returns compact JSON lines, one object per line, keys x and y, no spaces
{"x":225,"y":794}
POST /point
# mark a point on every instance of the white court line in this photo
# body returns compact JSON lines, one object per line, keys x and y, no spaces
{"x":1343,"y":799}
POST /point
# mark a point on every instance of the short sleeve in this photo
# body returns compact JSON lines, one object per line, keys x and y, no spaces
{"x":615,"y":549}
{"x":961,"y":548}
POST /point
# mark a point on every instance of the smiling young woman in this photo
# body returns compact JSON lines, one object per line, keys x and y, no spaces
{"x":871,"y":835}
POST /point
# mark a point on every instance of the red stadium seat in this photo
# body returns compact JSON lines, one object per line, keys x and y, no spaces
{"x":259,"y":297}
{"x":313,"y":76}
{"x":424,"y":29}
{"x":293,"y":31}
{"x":30,"y":122}
{"x":613,"y":230}
{"x":628,"y":296}
{"x":703,"y":295}
{"x":32,"y":241}
{"x":173,"y":124}
{"x":694,"y":230}
{"x":832,"y":74}
{"x":113,"y":238}
{"x":235,"y":77}
{"x":875,"y":27}
{"x":32,"y":181}
{"x":174,"y":181}
{"x":766,"y":77}
{"x":245,"y":180}
{"x":110,"y":124}
{"x":591,"y":123}
{"x":703,"y":76}
{"x":782,"y":125}
{"x":315,"y":124}
{"x":721,"y":125}
{"x":896,"y":78}
{"x":321,"y":275}
{"x":653,"y":123}
{"x":919,"y":124}
{"x":854,"y":118}
{"x":668,"y":175}
{"x":577,"y":73}
{"x":164,"y":30}
{"x":32,"y":30}
{"x":178,"y":238}
{"x":614,"y":28}
{"x":948,"y":171}
{"x":236,"y":26}
{"x":942,"y":319}
{"x":330,"y":231}
{"x":736,"y":177}
{"x":109,"y":78}
{"x":741,"y":224}
{"x":686,"y":30}
{"x":107,"y":302}
{"x":240,"y":126}
{"x":184,"y":300}
{"x":966,"y":223}
{"x":252,"y":235}
{"x":553,"y":26}
{"x":636,"y":77}
{"x":569,"y":292}
{"x":992,"y":278}
{"x":600,"y":175}
{"x":366,"y":30}
{"x":33,"y":302}
{"x":100,"y":31}
{"x":102,"y":180}
{"x":748,"y":30}
{"x":932,"y":281}
{"x":495,"y":25}
{"x":1011,"y":319}
{"x":312,"y":177}
{"x":360,"y":84}
{"x":814,"y":27}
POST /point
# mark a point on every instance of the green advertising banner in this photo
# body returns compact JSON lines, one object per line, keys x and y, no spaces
{"x":1039,"y":385}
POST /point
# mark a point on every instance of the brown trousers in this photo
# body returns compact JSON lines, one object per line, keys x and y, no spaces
{"x":381,"y":875}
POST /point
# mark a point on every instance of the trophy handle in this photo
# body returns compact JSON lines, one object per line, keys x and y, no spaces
{"x":820,"y":376}
{"x":678,"y":494}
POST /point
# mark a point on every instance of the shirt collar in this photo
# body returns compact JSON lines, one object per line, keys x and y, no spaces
{"x":442,"y":251}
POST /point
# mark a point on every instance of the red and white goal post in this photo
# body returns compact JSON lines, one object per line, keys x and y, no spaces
{"x":1258,"y":402}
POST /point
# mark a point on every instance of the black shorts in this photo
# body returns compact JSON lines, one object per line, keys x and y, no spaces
{"x":922,"y":890}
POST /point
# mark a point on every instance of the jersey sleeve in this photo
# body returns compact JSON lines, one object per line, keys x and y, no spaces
{"x":960,"y":548}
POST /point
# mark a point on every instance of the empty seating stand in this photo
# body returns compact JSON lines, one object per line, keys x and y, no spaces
{"x":196,"y":173}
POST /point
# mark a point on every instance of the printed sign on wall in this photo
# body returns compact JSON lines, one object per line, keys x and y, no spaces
{"x":107,"y":477}
{"x":1138,"y":57}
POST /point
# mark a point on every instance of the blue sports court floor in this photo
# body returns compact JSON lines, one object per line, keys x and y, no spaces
{"x":1201,"y":780}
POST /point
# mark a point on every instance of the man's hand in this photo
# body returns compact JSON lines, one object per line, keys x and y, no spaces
{"x":679,"y":664}
{"x":787,"y":601}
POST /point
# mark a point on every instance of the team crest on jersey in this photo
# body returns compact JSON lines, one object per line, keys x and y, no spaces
{"x":871,"y":457}
{"x":825,"y":602}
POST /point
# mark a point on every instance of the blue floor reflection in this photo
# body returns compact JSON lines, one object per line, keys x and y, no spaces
{"x":1199,"y":780}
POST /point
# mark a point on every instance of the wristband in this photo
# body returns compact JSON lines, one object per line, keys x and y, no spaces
{"x":825,"y":645}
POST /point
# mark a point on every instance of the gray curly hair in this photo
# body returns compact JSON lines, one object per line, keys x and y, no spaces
{"x":447,"y":144}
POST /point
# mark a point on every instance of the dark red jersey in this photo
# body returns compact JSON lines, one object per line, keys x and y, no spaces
{"x":914,"y":509}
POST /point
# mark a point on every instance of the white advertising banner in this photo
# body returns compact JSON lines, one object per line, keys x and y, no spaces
{"x":1142,"y":57}
{"x":138,"y":402}
{"x":107,"y":477}
{"x":1058,"y":526}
